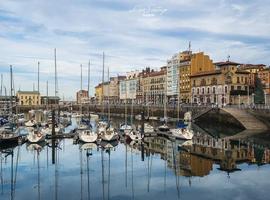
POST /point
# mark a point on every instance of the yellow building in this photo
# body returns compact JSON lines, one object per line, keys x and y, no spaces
{"x":226,"y":85}
{"x":99,"y":93}
{"x":29,"y":98}
{"x":191,"y":64}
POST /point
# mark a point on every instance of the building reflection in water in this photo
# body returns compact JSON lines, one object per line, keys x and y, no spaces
{"x":197,"y":158}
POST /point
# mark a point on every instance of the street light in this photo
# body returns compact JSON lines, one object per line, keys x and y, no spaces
{"x":239,"y":100}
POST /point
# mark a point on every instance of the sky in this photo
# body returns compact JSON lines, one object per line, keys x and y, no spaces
{"x":133,"y":34}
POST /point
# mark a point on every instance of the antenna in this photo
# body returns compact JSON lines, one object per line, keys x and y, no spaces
{"x":189,"y":46}
{"x":228,"y":58}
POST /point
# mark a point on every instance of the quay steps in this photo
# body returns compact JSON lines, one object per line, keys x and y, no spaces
{"x":252,"y":125}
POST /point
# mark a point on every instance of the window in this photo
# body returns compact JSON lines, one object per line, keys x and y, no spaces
{"x":238,"y":87}
{"x":238,"y":79}
{"x":232,"y":87}
{"x":214,"y":90}
{"x":208,"y":90}
{"x":198,"y":90}
{"x":226,"y":89}
{"x":203,"y":91}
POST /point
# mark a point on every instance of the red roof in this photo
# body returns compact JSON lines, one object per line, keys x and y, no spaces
{"x":226,"y":63}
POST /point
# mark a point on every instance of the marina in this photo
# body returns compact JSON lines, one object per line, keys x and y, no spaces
{"x":157,"y":166}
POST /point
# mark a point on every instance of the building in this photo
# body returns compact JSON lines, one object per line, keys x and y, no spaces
{"x":50,"y":100}
{"x":191,"y":64}
{"x":113,"y":91}
{"x":29,"y":98}
{"x":154,"y":86}
{"x":179,"y":69}
{"x":264,"y":76}
{"x":82,"y":96}
{"x":5,"y":104}
{"x":253,"y":70}
{"x":128,"y":88}
{"x":225,"y":85}
{"x":172,"y":77}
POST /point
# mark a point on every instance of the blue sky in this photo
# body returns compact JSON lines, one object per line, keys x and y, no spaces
{"x":132,"y":33}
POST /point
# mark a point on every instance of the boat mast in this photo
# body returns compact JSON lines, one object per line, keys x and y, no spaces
{"x":1,"y":85}
{"x":88,"y":82}
{"x":165,"y":97}
{"x":38,"y":76}
{"x":102,"y":97}
{"x":47,"y":93}
{"x":178,"y":100}
{"x":11,"y":89}
{"x":109,"y":111}
{"x":55,"y":74}
{"x":81,"y":92}
{"x":125,"y":102}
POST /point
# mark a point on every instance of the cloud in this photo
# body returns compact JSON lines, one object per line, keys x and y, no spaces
{"x":133,"y":34}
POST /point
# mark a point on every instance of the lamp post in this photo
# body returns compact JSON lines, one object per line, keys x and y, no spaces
{"x":265,"y":99}
{"x":253,"y":98}
{"x":239,"y":100}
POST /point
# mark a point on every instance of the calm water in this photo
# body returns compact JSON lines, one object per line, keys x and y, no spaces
{"x":154,"y":169}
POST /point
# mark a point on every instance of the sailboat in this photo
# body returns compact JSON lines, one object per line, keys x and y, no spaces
{"x":102,"y":124}
{"x":35,"y":136}
{"x":85,"y":132}
{"x":164,"y":127}
{"x":181,"y":131}
{"x":106,"y":130}
{"x":133,"y":134}
{"x":125,"y":128}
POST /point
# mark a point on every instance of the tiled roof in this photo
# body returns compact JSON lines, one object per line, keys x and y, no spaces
{"x":226,"y":63}
{"x":28,"y":92}
{"x":206,"y":73}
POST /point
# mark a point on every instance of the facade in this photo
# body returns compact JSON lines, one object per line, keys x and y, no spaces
{"x":225,"y":85}
{"x":264,"y":76}
{"x":5,"y":103}
{"x":98,"y":93}
{"x":50,"y":100}
{"x":154,"y":86}
{"x":114,"y":88}
{"x":172,"y":76}
{"x":191,"y":64}
{"x":128,"y":88}
{"x":82,"y":96}
{"x":253,"y":72}
{"x":29,"y":98}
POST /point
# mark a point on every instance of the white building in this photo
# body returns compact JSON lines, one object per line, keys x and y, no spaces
{"x":128,"y":87}
{"x":173,"y":75}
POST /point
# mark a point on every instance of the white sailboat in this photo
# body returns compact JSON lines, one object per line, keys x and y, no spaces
{"x":31,"y":123}
{"x":133,"y":134}
{"x":181,"y":132}
{"x":86,"y":134}
{"x":164,"y":127}
{"x":109,"y":134}
{"x":125,"y":128}
{"x":35,"y":136}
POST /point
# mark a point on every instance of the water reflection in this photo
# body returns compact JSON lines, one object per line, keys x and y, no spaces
{"x":156,"y":168}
